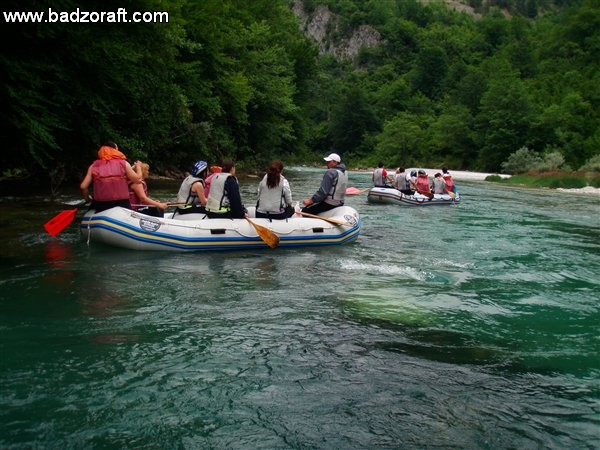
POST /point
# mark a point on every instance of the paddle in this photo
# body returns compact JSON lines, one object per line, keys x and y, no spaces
{"x":429,"y":195}
{"x":326,"y":219}
{"x":62,"y":220}
{"x":270,"y":238}
{"x":451,"y":194}
{"x":139,"y":205}
{"x":354,"y":191}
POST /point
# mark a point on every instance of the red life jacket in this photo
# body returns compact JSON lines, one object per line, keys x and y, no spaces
{"x":133,"y":198}
{"x":423,"y":183}
{"x":110,"y":180}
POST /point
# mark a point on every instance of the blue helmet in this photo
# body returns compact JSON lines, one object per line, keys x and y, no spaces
{"x":199,"y":167}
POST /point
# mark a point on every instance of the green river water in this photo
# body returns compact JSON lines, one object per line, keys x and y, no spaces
{"x":474,"y":326}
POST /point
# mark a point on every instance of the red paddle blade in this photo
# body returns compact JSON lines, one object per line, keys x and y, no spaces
{"x":60,"y":222}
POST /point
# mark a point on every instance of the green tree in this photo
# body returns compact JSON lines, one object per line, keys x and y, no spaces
{"x":403,"y":141}
{"x":351,"y":121}
{"x":503,"y":123}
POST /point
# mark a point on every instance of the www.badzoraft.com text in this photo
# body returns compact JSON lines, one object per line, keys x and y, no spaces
{"x":79,"y":16}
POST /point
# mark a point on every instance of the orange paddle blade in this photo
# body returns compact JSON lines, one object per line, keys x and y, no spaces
{"x":60,"y":222}
{"x":269,"y":238}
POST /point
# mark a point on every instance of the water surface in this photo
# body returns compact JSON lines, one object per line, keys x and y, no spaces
{"x":469,"y":326}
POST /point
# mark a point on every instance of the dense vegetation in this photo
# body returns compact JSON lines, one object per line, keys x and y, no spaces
{"x":238,"y":79}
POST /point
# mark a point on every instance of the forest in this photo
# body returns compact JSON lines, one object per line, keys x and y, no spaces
{"x":245,"y":80}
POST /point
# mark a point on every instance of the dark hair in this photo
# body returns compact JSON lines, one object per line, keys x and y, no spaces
{"x":437,"y":175}
{"x":110,"y":144}
{"x":227,"y":165}
{"x":273,"y":173}
{"x":444,"y":170}
{"x":380,"y":164}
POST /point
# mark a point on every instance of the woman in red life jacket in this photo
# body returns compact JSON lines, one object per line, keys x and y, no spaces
{"x":109,"y":175}
{"x":449,"y":182}
{"x":423,"y":186}
{"x":138,"y":195}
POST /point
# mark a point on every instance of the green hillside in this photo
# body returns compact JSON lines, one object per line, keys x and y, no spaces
{"x":464,"y":84}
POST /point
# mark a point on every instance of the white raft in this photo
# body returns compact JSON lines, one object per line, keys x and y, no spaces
{"x":391,"y":195}
{"x":129,"y":229}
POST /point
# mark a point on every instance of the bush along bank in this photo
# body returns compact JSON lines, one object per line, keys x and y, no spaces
{"x":552,"y":180}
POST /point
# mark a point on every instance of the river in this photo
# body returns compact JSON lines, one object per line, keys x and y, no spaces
{"x":470,"y":326}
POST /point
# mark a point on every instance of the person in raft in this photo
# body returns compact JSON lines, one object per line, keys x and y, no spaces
{"x":402,"y":181}
{"x":380,"y":176}
{"x":332,"y":191}
{"x":138,"y":195}
{"x":448,"y":180}
{"x":439,"y":186}
{"x":108,"y":176}
{"x":422,"y":183}
{"x":224,"y":199}
{"x":212,"y":170}
{"x":191,"y":191}
{"x":274,"y":194}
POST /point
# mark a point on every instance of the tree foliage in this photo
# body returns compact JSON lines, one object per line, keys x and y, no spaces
{"x":238,"y":79}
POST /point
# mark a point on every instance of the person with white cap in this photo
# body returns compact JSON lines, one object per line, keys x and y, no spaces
{"x":332,"y":191}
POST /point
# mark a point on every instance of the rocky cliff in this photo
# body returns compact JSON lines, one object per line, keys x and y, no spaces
{"x":322,"y":24}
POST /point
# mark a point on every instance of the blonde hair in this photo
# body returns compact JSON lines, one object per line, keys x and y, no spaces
{"x":145,"y":170}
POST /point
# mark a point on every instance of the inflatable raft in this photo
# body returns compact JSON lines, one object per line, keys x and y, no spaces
{"x":391,"y":195}
{"x":129,"y":229}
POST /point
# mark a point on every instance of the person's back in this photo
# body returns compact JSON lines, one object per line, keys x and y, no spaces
{"x":422,"y":183}
{"x":138,"y":196}
{"x":380,"y":176}
{"x":109,"y":176}
{"x":191,"y":191}
{"x":213,"y":170}
{"x":274,"y":194}
{"x":332,"y":191}
{"x":224,"y":199}
{"x":400,"y":180}
{"x":449,"y":183}
{"x":439,"y":187}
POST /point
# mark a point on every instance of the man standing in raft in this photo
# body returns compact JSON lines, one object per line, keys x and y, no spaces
{"x":332,"y":191}
{"x":110,"y":174}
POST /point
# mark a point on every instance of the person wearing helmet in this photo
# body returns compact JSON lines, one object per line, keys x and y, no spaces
{"x":422,"y":184}
{"x":191,"y":191}
{"x":412,"y":180}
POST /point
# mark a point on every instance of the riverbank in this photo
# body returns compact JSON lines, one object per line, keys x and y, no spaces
{"x":464,"y":175}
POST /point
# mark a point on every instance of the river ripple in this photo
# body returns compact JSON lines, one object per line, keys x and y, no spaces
{"x":473,"y":326}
